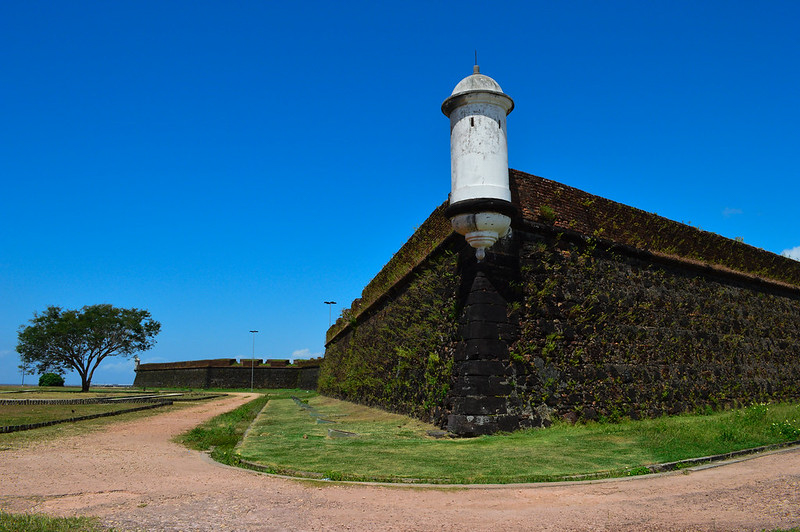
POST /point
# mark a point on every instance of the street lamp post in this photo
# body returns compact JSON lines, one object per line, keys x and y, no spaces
{"x":329,"y":303}
{"x":253,"y":361}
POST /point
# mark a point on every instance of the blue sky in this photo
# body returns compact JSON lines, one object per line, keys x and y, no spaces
{"x":231,"y":165}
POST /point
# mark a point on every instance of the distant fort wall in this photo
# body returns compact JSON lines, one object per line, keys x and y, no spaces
{"x":227,"y":373}
{"x":590,"y":309}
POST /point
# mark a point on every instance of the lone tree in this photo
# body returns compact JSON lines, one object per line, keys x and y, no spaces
{"x":25,"y":369}
{"x":60,"y":339}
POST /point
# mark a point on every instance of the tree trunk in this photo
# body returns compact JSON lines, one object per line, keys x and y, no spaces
{"x":84,"y":384}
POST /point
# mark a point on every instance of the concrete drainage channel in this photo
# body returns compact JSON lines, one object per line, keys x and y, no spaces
{"x":311,"y":411}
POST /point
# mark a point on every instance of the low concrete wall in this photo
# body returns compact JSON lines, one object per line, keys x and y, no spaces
{"x":30,"y":426}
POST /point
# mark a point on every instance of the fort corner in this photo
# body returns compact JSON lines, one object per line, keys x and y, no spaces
{"x":588,"y":308}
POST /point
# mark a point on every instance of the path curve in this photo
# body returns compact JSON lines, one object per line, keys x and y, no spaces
{"x":133,"y":476}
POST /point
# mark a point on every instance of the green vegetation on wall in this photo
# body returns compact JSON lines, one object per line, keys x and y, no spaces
{"x":607,"y":334}
{"x":622,"y":313}
{"x":552,"y":203}
{"x":401,"y":357}
{"x":430,"y":235}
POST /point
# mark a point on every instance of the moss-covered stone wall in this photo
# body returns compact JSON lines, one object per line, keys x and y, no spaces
{"x":223,"y":373}
{"x":609,"y":331}
{"x":400,"y":356}
{"x":569,"y":208}
{"x":432,"y":234}
{"x":591,"y":308}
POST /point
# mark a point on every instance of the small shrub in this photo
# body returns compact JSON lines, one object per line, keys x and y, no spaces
{"x":756,"y":413}
{"x":786,"y":428}
{"x":51,"y":379}
{"x":547,"y":214}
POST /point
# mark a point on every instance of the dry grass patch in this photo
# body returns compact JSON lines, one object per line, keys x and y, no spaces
{"x":25,"y":438}
{"x":28,"y":414}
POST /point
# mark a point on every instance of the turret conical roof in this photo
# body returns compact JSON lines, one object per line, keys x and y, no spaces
{"x":477,"y":87}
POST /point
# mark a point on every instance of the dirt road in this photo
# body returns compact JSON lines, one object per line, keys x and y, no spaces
{"x":135,"y":478}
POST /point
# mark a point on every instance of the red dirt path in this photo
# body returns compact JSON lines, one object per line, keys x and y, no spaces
{"x":134,"y":478}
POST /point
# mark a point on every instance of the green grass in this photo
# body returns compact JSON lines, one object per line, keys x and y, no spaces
{"x":389,"y":447}
{"x":44,"y":523}
{"x":223,"y":433}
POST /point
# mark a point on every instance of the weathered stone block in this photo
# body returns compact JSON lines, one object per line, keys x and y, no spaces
{"x":481,"y":367}
{"x":482,"y":385}
{"x":479,"y":405}
{"x":487,"y":330}
{"x":507,"y":423}
{"x":481,"y":349}
{"x":481,"y":282}
{"x":485,"y":298}
{"x":486,"y":312}
{"x":469,"y":426}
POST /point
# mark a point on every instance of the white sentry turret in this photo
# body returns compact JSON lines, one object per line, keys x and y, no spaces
{"x":480,"y":200}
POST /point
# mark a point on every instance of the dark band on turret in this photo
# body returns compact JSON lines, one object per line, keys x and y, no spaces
{"x":481,"y":205}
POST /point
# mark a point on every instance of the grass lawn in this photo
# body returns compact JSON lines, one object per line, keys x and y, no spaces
{"x":16,"y":440}
{"x":24,"y":414}
{"x":285,"y":438}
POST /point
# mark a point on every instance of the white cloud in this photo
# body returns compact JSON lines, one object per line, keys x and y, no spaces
{"x":150,"y":360}
{"x":304,"y":354}
{"x":793,"y":253}
{"x":727,"y":212}
{"x":117,"y":365}
{"x":5,"y":352}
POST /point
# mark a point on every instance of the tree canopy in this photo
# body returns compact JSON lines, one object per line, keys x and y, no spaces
{"x":58,"y":339}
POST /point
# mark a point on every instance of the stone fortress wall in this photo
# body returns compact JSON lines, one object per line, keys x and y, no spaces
{"x":589,"y":309}
{"x":227,"y":373}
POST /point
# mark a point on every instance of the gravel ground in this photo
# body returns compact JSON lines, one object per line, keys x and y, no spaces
{"x":134,"y":477}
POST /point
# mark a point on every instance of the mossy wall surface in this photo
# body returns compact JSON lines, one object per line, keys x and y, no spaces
{"x":562,"y":206}
{"x":429,"y":236}
{"x":609,"y":311}
{"x":606,"y":331}
{"x":400,"y":355}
